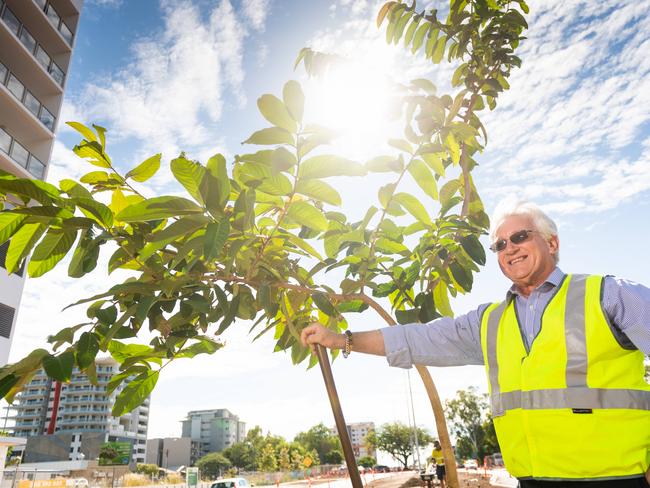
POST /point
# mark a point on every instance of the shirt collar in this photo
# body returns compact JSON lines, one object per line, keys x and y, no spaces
{"x":552,"y":280}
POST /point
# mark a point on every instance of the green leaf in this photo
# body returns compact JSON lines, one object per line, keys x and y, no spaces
{"x":324,"y":304}
{"x":474,"y":248}
{"x":425,"y":85}
{"x":294,"y":99}
{"x":145,"y":170}
{"x":413,"y":206}
{"x":453,"y":147}
{"x":94,"y":177}
{"x":410,"y":32}
{"x":318,"y":190}
{"x":441,"y":299}
{"x":204,"y":346}
{"x":158,"y":208}
{"x":389,"y":246}
{"x":87,"y":349}
{"x":383,"y":12}
{"x":135,"y":393}
{"x":40,"y":191}
{"x":217,"y":168}
{"x":307,"y":215}
{"x":418,"y":38}
{"x":462,"y":276}
{"x":95,"y":210}
{"x":7,"y":383}
{"x":301,"y":244}
{"x":325,"y":166}
{"x":59,"y":367}
{"x":52,"y":249}
{"x":270,"y":136}
{"x":435,"y":163}
{"x":74,"y":189}
{"x":216,"y":235}
{"x":84,"y":259}
{"x":423,"y":177}
{"x":9,"y":224}
{"x":87,"y":134}
{"x":21,"y":244}
{"x":282,"y":160}
{"x":93,"y":153}
{"x":190,"y":175}
{"x":385,"y":194}
{"x":401,"y":144}
{"x":274,"y":110}
{"x":407,"y":316}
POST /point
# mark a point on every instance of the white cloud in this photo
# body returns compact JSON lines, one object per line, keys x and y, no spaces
{"x":256,"y":12}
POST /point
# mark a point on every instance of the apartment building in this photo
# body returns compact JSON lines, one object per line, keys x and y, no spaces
{"x":172,"y":452}
{"x":214,"y":430}
{"x":71,"y":421}
{"x":357,"y":433}
{"x":37,"y":38}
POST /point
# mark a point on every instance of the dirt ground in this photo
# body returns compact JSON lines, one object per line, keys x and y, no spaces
{"x":466,"y":480}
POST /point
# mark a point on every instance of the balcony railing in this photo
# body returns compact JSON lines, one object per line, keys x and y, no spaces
{"x":18,"y":90}
{"x":55,"y":20}
{"x":20,"y":155}
{"x":27,"y":40}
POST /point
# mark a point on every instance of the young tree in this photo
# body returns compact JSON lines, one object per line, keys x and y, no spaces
{"x":148,"y":469}
{"x":367,"y":461}
{"x":247,"y":243}
{"x":321,"y":439}
{"x":397,"y":440}
{"x":212,"y":465}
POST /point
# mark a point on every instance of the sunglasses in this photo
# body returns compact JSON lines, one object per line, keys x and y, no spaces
{"x":516,"y":238}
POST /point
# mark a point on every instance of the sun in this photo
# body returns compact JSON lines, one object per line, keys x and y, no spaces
{"x":356,"y":100}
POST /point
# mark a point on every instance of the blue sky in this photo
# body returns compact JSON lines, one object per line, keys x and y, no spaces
{"x":573,"y":134}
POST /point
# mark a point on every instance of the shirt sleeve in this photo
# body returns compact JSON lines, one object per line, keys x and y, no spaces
{"x":443,"y":342}
{"x":627,"y":305}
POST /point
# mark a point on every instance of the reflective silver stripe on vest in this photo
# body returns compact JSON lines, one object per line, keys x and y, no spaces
{"x":576,"y":340}
{"x":493,"y":364}
{"x":581,"y":398}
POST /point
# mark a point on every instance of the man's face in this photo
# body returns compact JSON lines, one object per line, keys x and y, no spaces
{"x":528,"y":263}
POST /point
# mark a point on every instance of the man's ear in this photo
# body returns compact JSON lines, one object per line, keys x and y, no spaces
{"x":554,"y":244}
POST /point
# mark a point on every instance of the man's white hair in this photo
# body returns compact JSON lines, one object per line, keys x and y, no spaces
{"x":508,"y":208}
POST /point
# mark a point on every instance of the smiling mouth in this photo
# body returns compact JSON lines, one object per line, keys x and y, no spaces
{"x":518,"y":259}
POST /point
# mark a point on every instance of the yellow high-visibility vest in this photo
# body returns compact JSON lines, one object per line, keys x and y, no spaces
{"x":576,"y":406}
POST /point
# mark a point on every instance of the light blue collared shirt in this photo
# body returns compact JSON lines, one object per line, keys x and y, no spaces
{"x":457,"y":341}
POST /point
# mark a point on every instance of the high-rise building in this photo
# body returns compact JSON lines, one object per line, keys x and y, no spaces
{"x":36,"y":42}
{"x":73,"y":420}
{"x":214,"y":430}
{"x":172,"y":452}
{"x":357,"y":433}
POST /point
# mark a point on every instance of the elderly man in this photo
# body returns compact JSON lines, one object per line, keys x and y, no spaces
{"x":563,"y":356}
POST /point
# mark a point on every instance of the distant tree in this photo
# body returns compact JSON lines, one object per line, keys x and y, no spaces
{"x":241,"y":455}
{"x":397,"y":440}
{"x":367,"y":461}
{"x":213,"y":464}
{"x":267,"y":460}
{"x":471,"y":424}
{"x":148,"y":469}
{"x":323,"y":441}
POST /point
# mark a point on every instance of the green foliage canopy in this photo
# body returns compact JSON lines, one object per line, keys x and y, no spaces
{"x":398,"y":440}
{"x":212,"y":465}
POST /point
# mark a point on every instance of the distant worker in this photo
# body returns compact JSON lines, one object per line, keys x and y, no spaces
{"x":563,"y":356}
{"x":439,"y":462}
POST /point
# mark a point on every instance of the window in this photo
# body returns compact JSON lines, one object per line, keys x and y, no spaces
{"x":32,"y":104}
{"x":5,"y":141}
{"x":47,"y":118}
{"x":11,"y":20}
{"x":3,"y":73}
{"x":28,"y":40}
{"x":52,"y":16}
{"x":36,"y":167}
{"x":57,"y":73}
{"x":41,"y":3}
{"x":66,"y":33}
{"x":16,"y":87}
{"x":19,"y":154}
{"x":6,"y":320}
{"x":43,"y":58}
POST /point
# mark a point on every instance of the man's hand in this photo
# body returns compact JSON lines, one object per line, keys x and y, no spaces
{"x":316,"y":333}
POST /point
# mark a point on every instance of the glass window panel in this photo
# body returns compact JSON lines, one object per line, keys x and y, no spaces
{"x":5,"y":141}
{"x":19,"y":154}
{"x":28,"y":40}
{"x":3,"y":73}
{"x":16,"y":87}
{"x":11,"y":20}
{"x":47,"y":118}
{"x":52,"y":16}
{"x":32,"y":103}
{"x":57,"y":73}
{"x":66,"y":33}
{"x":41,"y":3}
{"x":43,"y":58}
{"x":36,"y":168}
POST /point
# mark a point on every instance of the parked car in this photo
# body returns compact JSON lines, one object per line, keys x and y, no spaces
{"x":470,"y":464}
{"x":380,"y":468}
{"x":231,"y":483}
